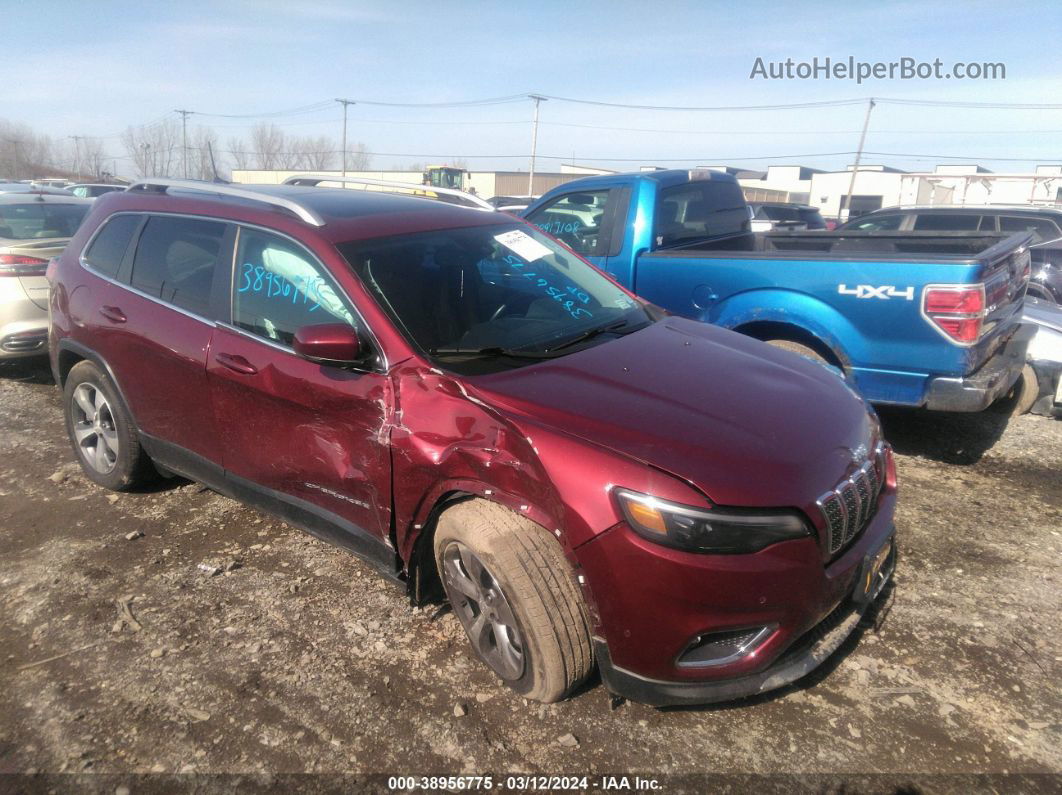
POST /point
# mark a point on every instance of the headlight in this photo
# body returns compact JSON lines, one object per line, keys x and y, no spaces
{"x":715,"y":530}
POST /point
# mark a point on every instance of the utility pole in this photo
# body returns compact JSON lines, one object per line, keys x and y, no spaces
{"x":534,"y":145}
{"x":344,"y":103}
{"x":858,"y":157}
{"x":77,"y":155}
{"x":184,"y":139}
{"x":17,"y":143}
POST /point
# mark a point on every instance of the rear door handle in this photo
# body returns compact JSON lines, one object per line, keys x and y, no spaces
{"x":236,"y":363}
{"x":113,"y":313}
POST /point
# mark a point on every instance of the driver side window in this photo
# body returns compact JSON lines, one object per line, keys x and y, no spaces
{"x":278,"y":287}
{"x":576,"y":220}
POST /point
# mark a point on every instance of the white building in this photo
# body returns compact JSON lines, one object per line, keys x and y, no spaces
{"x":878,"y":186}
{"x":485,"y":183}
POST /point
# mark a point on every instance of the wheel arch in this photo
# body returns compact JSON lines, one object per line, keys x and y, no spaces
{"x":71,"y":353}
{"x":798,"y":317}
{"x":775,"y":330}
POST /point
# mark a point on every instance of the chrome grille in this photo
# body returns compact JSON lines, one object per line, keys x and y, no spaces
{"x":851,"y":504}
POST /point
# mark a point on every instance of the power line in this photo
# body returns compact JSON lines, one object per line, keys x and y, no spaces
{"x":958,"y":104}
{"x":455,"y":104}
{"x":788,"y":106}
{"x":315,"y":107}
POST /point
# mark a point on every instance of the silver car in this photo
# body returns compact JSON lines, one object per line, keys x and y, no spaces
{"x":34,"y":227}
{"x":91,"y":190}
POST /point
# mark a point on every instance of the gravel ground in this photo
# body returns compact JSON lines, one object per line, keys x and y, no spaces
{"x":175,"y":631}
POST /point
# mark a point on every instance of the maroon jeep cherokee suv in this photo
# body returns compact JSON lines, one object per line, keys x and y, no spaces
{"x":456,"y":397}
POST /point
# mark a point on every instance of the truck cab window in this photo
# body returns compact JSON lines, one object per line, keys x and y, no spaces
{"x":576,"y":219}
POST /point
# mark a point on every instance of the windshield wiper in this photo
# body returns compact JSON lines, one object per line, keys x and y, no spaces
{"x":590,"y":334}
{"x":491,"y":351}
{"x":549,"y":353}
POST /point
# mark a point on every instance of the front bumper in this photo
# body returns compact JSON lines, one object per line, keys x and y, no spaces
{"x":803,"y":657}
{"x":979,"y":390}
{"x":650,"y":602}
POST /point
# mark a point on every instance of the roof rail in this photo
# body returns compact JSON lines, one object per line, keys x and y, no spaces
{"x":160,"y":185}
{"x":411,"y":187}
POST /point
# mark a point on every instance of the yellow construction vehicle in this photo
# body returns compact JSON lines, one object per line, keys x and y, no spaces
{"x":451,"y":177}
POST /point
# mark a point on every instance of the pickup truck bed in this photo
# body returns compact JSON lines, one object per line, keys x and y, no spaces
{"x":851,"y":292}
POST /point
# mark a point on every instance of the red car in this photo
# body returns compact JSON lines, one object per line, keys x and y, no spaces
{"x":456,"y":397}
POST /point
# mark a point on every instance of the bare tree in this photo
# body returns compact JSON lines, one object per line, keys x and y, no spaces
{"x":154,"y":148}
{"x":93,"y":156}
{"x":267,"y":141}
{"x":241,"y":157}
{"x":360,"y":159}
{"x":23,"y":152}
{"x":314,"y":154}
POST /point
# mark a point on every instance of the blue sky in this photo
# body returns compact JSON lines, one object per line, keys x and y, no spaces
{"x":93,"y":68}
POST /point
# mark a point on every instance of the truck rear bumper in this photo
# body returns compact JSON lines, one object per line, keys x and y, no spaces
{"x":982,"y":388}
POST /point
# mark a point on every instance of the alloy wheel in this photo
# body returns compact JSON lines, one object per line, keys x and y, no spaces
{"x":94,"y":428}
{"x":484,"y":611}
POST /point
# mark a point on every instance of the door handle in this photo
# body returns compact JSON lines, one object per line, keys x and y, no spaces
{"x":236,"y":363}
{"x":113,"y":313}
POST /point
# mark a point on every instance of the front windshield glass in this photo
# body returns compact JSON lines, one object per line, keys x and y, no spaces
{"x":500,"y":288}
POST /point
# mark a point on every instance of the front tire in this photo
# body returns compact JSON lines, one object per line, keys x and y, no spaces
{"x":102,"y":434}
{"x":516,"y":597}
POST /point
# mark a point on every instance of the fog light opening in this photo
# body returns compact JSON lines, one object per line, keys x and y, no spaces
{"x":721,"y":648}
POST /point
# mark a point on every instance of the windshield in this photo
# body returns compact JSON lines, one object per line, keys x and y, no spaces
{"x":36,"y":220}
{"x":501,"y":287}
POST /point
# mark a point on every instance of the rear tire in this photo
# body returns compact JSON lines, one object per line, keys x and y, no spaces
{"x":1022,"y":395}
{"x":799,"y":348}
{"x":515,"y":594}
{"x":102,"y":434}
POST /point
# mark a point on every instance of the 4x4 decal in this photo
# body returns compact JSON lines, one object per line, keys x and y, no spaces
{"x":884,"y":292}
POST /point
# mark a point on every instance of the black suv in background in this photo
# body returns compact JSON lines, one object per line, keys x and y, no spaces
{"x":782,"y":215}
{"x":1046,"y":222}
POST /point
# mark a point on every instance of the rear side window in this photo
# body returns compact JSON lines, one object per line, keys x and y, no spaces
{"x":39,"y":220}
{"x":876,"y":223}
{"x":699,"y":210}
{"x":175,"y":261}
{"x":1045,"y":230}
{"x":942,"y":222}
{"x":108,"y":248}
{"x":279,"y":287}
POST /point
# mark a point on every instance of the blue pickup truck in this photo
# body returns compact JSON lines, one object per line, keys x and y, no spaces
{"x":914,"y":319}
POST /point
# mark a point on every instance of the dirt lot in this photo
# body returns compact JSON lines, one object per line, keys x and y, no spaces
{"x":121,"y":654}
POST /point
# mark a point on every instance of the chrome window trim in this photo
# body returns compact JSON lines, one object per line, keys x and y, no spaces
{"x":382,"y":366}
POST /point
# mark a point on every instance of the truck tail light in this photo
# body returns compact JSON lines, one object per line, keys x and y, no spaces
{"x":19,"y":265}
{"x":958,"y":311}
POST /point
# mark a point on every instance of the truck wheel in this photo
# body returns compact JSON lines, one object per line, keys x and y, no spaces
{"x":102,"y":434}
{"x":515,"y":595}
{"x":799,"y":348}
{"x":1022,"y":395}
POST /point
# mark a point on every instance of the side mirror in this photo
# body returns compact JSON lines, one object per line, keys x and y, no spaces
{"x":329,"y":343}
